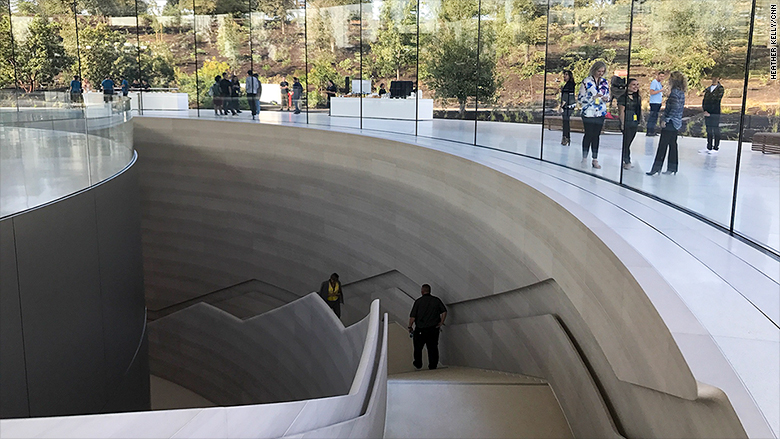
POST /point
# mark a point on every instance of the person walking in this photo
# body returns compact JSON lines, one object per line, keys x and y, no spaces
{"x":76,"y":90}
{"x":593,"y":98}
{"x":630,"y":108}
{"x":297,"y":91}
{"x":656,"y":99}
{"x":568,"y":103}
{"x":711,"y":106}
{"x":216,"y":95}
{"x":224,"y":91}
{"x":125,"y":86}
{"x":252,"y":85}
{"x":425,"y":322}
{"x":671,"y":123}
{"x":284,"y":91}
{"x":332,"y":294}
{"x":108,"y":89}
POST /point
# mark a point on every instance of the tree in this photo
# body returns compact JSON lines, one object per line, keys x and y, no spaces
{"x":691,"y":36}
{"x":7,"y":48}
{"x":395,"y":47}
{"x":450,"y":67}
{"x":599,"y":14}
{"x":41,"y":56}
{"x":210,"y":69}
{"x":229,"y":40}
{"x":100,"y":47}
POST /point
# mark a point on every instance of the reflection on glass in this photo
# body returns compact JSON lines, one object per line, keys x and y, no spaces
{"x":390,"y":62}
{"x":582,"y":33}
{"x":334,"y":41}
{"x":7,"y":60}
{"x":512,"y":59}
{"x":278,"y":53}
{"x":449,"y":67}
{"x":758,"y":212}
{"x":706,"y":41}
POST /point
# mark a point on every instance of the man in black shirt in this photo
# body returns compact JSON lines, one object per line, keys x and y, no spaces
{"x":224,"y":88}
{"x":427,"y":316}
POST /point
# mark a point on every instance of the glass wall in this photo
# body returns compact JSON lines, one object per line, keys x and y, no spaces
{"x":757,"y":209}
{"x":680,"y":80}
{"x":512,"y":75}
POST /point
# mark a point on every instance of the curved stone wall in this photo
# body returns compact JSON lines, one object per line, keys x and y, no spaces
{"x":226,"y":202}
{"x":359,"y":413}
{"x":72,"y":339}
{"x":295,"y":352}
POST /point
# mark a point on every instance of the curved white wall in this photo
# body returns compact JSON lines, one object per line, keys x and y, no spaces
{"x":225,"y":202}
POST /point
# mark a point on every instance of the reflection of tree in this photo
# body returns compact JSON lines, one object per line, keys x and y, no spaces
{"x":7,"y":74}
{"x":41,"y":56}
{"x":230,"y":39}
{"x":111,"y":8}
{"x":450,"y":66}
{"x":692,"y":35}
{"x":395,"y":46}
{"x":519,"y":27}
{"x":599,"y":14}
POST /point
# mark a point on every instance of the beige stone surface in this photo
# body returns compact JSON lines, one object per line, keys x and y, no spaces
{"x":471,"y":403}
{"x":223,"y":203}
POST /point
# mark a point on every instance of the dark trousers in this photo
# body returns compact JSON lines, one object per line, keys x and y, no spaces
{"x":629,"y":132}
{"x":652,"y":119}
{"x":428,"y":337}
{"x":108,"y":97}
{"x":590,"y":141}
{"x":567,"y":122}
{"x":712,"y":122}
{"x":668,"y":141}
{"x":335,"y":306}
{"x":251,"y":99}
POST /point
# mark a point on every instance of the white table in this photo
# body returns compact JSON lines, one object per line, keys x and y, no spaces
{"x":377,"y":108}
{"x":151,"y":100}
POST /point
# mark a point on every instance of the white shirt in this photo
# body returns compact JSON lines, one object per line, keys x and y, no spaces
{"x":252,"y":85}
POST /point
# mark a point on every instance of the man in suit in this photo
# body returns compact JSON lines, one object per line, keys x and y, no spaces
{"x":332,"y":294}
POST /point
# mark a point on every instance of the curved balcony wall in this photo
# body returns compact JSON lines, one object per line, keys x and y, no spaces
{"x":71,"y":284}
{"x":308,"y":202}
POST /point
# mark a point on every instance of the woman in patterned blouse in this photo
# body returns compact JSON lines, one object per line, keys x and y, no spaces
{"x":593,"y":97}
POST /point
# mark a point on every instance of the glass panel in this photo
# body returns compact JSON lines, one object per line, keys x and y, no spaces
{"x":167,"y":81}
{"x":7,"y":59}
{"x":222,"y":42}
{"x":706,"y":43}
{"x":584,"y":34}
{"x":334,"y":34}
{"x":448,"y":67}
{"x":389,"y":57}
{"x":512,"y":59}
{"x":758,"y":210}
{"x":278,"y":54}
{"x":170,"y":35}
